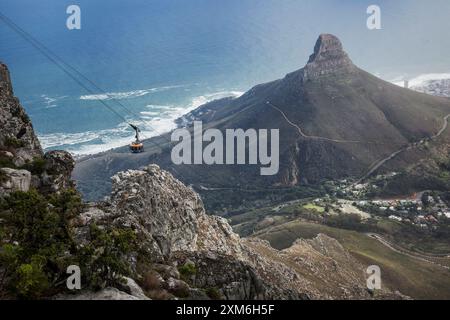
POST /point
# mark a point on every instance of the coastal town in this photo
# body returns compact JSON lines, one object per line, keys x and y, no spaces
{"x":424,"y":209}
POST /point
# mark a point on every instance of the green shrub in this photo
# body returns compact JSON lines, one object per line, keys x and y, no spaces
{"x":181,"y":291}
{"x":13,"y":142}
{"x":37,"y":166}
{"x":42,"y":226}
{"x":68,"y":204}
{"x":42,"y":231}
{"x":30,"y":280}
{"x":3,"y":177}
{"x":6,"y":162}
{"x":104,"y":260}
{"x":187,"y":270}
{"x":214,"y":293}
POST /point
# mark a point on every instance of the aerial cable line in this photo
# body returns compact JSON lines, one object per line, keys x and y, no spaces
{"x":13,"y":26}
{"x":64,"y":66}
{"x":60,"y":63}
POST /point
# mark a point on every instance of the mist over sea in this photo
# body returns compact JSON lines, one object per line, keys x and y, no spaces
{"x":162,"y":58}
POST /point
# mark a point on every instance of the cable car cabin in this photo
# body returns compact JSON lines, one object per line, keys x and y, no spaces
{"x":136,"y":146}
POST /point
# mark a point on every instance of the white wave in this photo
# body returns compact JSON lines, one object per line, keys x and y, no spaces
{"x":200,"y":100}
{"x":155,"y":111}
{"x":126,"y":94}
{"x":50,"y":102}
{"x":152,"y":123}
{"x":425,"y":79}
{"x":421,"y":80}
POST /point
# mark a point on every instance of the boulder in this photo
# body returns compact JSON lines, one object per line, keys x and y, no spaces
{"x":57,"y":172}
{"x":109,"y":293}
{"x":132,"y":288}
{"x":168,"y":215}
{"x":14,"y":180}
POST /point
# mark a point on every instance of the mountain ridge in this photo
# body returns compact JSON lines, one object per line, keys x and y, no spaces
{"x":361,"y":119}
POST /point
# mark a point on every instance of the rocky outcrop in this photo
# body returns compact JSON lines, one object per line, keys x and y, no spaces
{"x":130,"y":290}
{"x":57,"y":172}
{"x":169,"y":216}
{"x":317,"y":269}
{"x":194,"y":254}
{"x":174,"y":231}
{"x":21,"y":156}
{"x":329,"y":57}
{"x":16,"y":131}
{"x":14,"y":180}
{"x":109,"y":293}
{"x":234,"y":278}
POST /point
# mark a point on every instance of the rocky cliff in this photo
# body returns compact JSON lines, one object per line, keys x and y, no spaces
{"x":23,"y":164}
{"x":328,"y":58}
{"x":16,"y":130}
{"x":168,"y":216}
{"x":174,"y":231}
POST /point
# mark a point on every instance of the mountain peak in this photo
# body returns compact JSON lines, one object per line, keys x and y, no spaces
{"x":328,"y":57}
{"x":328,"y":47}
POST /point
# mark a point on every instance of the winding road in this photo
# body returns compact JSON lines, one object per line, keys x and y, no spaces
{"x":418,"y":256}
{"x":444,"y":127}
{"x":410,"y":146}
{"x":304,"y":135}
{"x":378,"y":163}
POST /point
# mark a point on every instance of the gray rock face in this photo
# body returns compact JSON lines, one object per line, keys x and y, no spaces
{"x":5,"y":80}
{"x":14,"y":180}
{"x":58,"y":170}
{"x":16,"y":131}
{"x":174,"y":231}
{"x":173,"y":228}
{"x":328,"y":57}
{"x":169,"y":216}
{"x":234,"y":279}
{"x":19,"y":146}
{"x":105,"y":294}
{"x":132,"y":288}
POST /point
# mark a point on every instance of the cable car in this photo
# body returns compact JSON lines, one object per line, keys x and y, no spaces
{"x":136,"y":146}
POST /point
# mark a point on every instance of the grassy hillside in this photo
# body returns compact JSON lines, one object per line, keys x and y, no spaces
{"x":411,"y":276}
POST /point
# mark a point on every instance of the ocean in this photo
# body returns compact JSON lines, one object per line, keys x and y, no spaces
{"x":162,"y":58}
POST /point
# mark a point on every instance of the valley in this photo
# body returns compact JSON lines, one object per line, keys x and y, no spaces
{"x":399,"y":265}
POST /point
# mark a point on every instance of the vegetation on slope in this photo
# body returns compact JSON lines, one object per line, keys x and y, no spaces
{"x":37,"y":245}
